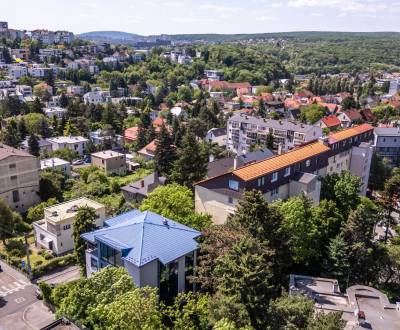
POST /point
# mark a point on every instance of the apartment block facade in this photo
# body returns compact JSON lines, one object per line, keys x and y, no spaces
{"x":387,"y":143}
{"x":289,"y":174}
{"x":111,"y":161}
{"x":244,"y":131}
{"x":19,"y":178}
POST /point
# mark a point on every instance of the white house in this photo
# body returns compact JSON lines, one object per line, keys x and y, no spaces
{"x":178,"y":112}
{"x":56,"y":164}
{"x":76,"y":143}
{"x":17,"y":71}
{"x":54,"y":232}
{"x":96,"y":97}
{"x":217,"y":135}
{"x":55,"y":111}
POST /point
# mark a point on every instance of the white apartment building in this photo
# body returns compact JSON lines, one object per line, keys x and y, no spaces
{"x":24,"y":90}
{"x":17,"y":71}
{"x":387,"y":143}
{"x":96,"y":97}
{"x":39,"y":71}
{"x":54,"y":111}
{"x":76,"y":90}
{"x":244,"y":131}
{"x":54,"y":232}
{"x":56,"y":164}
{"x":76,"y":143}
{"x":19,"y":178}
{"x":394,"y":86}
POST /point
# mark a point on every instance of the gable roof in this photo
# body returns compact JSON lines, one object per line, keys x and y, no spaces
{"x":7,"y":151}
{"x":348,"y":133}
{"x":131,"y":133}
{"x":145,"y":237}
{"x":330,"y":121}
{"x":279,"y":162}
{"x":353,"y":114}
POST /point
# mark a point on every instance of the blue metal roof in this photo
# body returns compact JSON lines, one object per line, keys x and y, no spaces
{"x":121,"y":218}
{"x":146,"y":236}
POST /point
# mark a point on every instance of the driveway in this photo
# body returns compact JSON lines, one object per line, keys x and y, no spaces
{"x":66,"y":275}
{"x":18,"y":300}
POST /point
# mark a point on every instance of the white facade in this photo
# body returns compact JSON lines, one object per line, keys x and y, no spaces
{"x":17,"y":71}
{"x":76,"y":143}
{"x":54,"y":111}
{"x":54,"y":232}
{"x":96,"y":97}
{"x":56,"y":164}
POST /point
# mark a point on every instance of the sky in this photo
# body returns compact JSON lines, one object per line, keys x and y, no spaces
{"x":202,"y":16}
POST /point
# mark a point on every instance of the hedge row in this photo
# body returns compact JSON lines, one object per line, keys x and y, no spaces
{"x":53,"y":264}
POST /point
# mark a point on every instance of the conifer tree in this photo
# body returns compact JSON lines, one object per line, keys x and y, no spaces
{"x":22,"y":130}
{"x":165,"y":153}
{"x":33,"y":144}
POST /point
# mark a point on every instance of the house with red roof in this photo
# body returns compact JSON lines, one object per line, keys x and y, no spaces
{"x":131,"y":134}
{"x":331,"y":122}
{"x":350,"y":117}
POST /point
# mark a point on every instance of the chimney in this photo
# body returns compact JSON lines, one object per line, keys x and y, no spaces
{"x":324,"y":140}
{"x":235,"y":160}
{"x":211,"y":158}
{"x":142,"y":184}
{"x":280,"y":149}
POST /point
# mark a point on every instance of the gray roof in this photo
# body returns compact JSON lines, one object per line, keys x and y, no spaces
{"x":150,"y":182}
{"x":218,"y":131}
{"x":387,"y":131}
{"x":304,"y":178}
{"x":147,"y":236}
{"x":276,"y":124}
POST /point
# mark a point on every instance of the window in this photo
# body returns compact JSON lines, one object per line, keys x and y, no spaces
{"x":12,"y":166}
{"x":275,"y":192}
{"x":15,"y":196}
{"x":13,"y":177}
{"x":287,"y":171}
{"x":234,"y":185}
{"x":261,"y":181}
{"x":308,"y":163}
{"x":274,"y":177}
{"x":230,"y":200}
{"x":66,"y":227}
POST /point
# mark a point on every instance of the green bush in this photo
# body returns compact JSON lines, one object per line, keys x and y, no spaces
{"x":41,"y":252}
{"x":16,"y":253}
{"x":38,"y":262}
{"x":16,"y":247}
{"x":48,"y":256}
{"x":53,"y":264}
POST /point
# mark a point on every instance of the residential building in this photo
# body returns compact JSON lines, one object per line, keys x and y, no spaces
{"x":394,"y":87}
{"x":55,"y":111}
{"x":21,"y":53}
{"x":76,"y":143}
{"x":76,"y":90}
{"x":156,"y":251}
{"x":44,"y":145}
{"x":244,"y":131}
{"x":357,"y":301}
{"x":289,"y":174}
{"x":101,"y":137}
{"x":139,"y":190}
{"x":131,"y":134}
{"x":24,"y":90}
{"x":19,"y":178}
{"x":63,"y":37}
{"x":111,"y":161}
{"x":96,"y":97}
{"x":56,"y":164}
{"x":349,"y":117}
{"x":214,"y":74}
{"x":387,"y":143}
{"x":38,"y":71}
{"x":54,"y":231}
{"x":148,"y":151}
{"x":3,"y":26}
{"x":217,"y":135}
{"x":17,"y":71}
{"x":330,"y":122}
{"x":45,"y":36}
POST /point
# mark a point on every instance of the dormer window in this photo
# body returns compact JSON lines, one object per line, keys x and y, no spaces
{"x":287,"y":171}
{"x":308,"y":163}
{"x":274,"y":177}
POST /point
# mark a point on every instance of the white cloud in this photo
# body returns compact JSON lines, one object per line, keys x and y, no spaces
{"x":276,"y":5}
{"x":173,"y":4}
{"x":316,"y":15}
{"x":218,"y":8}
{"x":265,"y":18}
{"x":89,"y":4}
{"x":192,"y":19}
{"x":342,"y":5}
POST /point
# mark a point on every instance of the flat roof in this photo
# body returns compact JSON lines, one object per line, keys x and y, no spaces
{"x":107,"y":154}
{"x":68,"y":139}
{"x":50,"y":162}
{"x":68,"y":209}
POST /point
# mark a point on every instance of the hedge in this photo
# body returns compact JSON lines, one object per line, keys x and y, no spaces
{"x":57,"y":262}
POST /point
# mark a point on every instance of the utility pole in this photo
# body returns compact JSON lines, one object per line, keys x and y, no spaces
{"x":28,"y":262}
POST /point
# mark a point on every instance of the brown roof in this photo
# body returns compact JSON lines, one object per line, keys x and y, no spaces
{"x":348,"y":133}
{"x":353,"y":114}
{"x":7,"y":151}
{"x":331,"y":121}
{"x":131,"y":133}
{"x":279,"y":162}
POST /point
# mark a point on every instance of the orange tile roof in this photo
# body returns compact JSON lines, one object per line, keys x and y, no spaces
{"x":331,"y":121}
{"x":279,"y":162}
{"x":348,"y":133}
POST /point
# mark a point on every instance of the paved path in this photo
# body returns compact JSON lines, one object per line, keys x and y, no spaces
{"x":69,"y":274}
{"x":17,"y":299}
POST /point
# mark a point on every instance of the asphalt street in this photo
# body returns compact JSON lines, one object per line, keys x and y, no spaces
{"x":17,"y":298}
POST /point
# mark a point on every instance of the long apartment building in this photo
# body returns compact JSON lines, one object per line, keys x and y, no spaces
{"x":19,"y":178}
{"x":244,"y":131}
{"x":289,"y":174}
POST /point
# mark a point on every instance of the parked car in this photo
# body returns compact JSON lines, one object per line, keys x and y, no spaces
{"x":78,"y":162}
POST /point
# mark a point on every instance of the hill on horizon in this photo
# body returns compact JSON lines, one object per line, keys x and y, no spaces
{"x":108,"y":35}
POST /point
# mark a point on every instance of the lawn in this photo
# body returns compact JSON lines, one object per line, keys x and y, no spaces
{"x":137,"y":175}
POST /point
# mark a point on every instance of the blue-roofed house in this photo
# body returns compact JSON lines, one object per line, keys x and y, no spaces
{"x":156,"y":251}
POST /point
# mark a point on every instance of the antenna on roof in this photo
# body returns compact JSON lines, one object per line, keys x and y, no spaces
{"x":165,"y":222}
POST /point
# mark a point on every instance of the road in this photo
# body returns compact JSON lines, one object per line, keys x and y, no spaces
{"x":19,"y":307}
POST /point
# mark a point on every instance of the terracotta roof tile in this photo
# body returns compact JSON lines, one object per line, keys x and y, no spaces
{"x":279,"y":162}
{"x":348,"y":133}
{"x":331,"y":121}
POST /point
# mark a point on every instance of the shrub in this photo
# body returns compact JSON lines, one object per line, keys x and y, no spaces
{"x":16,"y":253}
{"x":38,"y":262}
{"x":48,"y":256}
{"x":15,"y":244}
{"x":53,"y":264}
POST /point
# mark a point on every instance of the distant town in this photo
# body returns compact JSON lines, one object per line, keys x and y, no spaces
{"x":166,"y":182}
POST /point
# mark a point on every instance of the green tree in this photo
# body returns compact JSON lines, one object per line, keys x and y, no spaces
{"x":302,"y":229}
{"x":312,"y":113}
{"x":189,"y":311}
{"x":51,"y":185}
{"x":65,"y":153}
{"x":84,"y":222}
{"x":191,"y":165}
{"x":165,"y":153}
{"x":22,"y":130}
{"x":7,"y":223}
{"x":270,"y":141}
{"x":327,"y":321}
{"x":10,"y":135}
{"x":348,"y":103}
{"x":380,"y":172}
{"x":33,"y":145}
{"x":36,"y":212}
{"x":339,"y":263}
{"x":135,"y":309}
{"x":244,"y":288}
{"x":176,"y":203}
